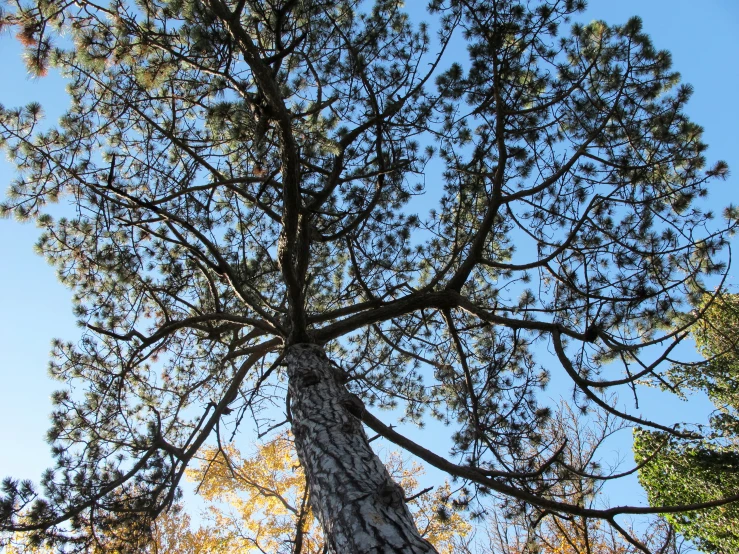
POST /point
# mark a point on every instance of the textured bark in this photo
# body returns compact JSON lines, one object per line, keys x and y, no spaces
{"x":362,"y":510}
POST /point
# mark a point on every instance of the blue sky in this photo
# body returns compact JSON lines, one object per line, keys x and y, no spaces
{"x":703,"y":39}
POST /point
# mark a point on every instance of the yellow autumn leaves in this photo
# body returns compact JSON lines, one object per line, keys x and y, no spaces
{"x":260,"y":504}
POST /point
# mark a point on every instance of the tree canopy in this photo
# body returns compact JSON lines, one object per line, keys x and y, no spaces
{"x":300,"y":212}
{"x":700,"y":468}
{"x":716,"y":337}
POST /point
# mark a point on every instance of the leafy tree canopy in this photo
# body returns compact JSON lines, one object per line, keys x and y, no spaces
{"x":716,"y":337}
{"x":691,"y":472}
{"x":250,"y":183}
{"x":700,"y":470}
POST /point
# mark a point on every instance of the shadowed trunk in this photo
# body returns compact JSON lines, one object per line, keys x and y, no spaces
{"x":362,"y":510}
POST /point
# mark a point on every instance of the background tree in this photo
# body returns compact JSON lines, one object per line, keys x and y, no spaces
{"x":692,"y":472}
{"x":701,"y":467}
{"x":245,"y":178}
{"x":716,"y":336}
{"x":269,"y":501}
{"x":577,"y":536}
{"x":521,"y":529}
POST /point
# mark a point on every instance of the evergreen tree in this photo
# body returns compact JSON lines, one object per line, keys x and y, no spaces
{"x":247,"y":177}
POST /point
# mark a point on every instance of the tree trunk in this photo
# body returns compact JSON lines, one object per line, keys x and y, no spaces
{"x":362,"y":510}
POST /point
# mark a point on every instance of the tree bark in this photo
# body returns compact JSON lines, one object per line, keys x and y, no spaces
{"x":362,"y":510}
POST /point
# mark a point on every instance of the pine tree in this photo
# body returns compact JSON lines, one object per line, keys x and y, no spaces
{"x":246,"y":178}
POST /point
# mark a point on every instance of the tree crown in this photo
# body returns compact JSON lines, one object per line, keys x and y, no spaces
{"x":245,"y":176}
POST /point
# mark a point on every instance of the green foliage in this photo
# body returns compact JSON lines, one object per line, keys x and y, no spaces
{"x":691,"y":472}
{"x":717,"y":339}
{"x":684,"y":473}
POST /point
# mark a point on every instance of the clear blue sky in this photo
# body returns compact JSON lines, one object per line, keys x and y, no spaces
{"x":702,"y":37}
